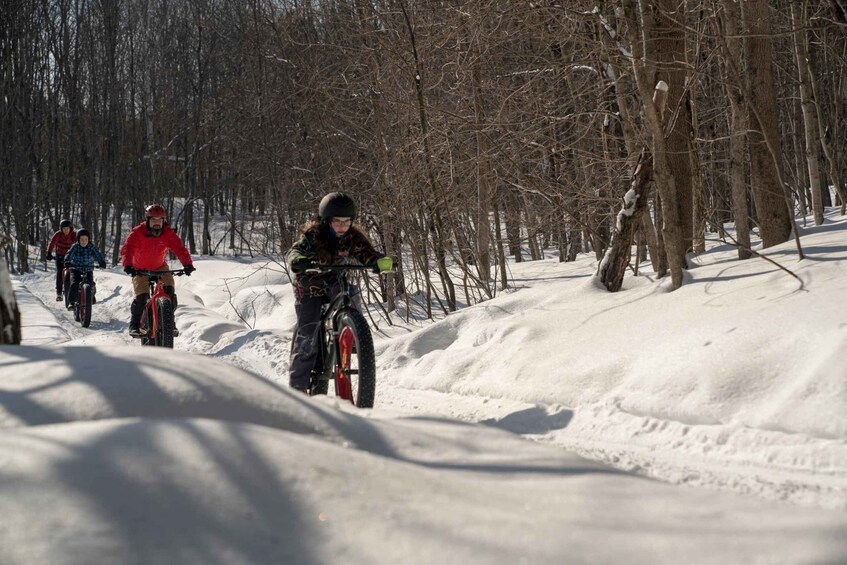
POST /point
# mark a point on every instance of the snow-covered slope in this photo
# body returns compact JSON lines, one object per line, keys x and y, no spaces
{"x":116,"y":454}
{"x":736,"y":381}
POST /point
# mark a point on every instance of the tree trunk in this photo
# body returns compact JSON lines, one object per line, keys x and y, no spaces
{"x":665,"y":186}
{"x":483,"y":178}
{"x":737,"y":129}
{"x":810,"y":130}
{"x":617,"y":257}
{"x":10,"y":316}
{"x":775,"y":223}
{"x":834,"y":174}
{"x":501,"y":252}
{"x":671,"y":66}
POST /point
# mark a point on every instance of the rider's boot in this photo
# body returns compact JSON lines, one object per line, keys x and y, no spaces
{"x":170,"y":291}
{"x":136,"y":309}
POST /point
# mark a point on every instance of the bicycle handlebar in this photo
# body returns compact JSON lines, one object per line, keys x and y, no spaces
{"x":143,"y":273}
{"x":325,"y":268}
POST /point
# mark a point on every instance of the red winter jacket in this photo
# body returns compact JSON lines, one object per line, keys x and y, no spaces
{"x":62,"y":242}
{"x":143,"y":250}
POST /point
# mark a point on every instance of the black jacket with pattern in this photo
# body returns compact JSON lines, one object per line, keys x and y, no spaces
{"x":320,"y":245}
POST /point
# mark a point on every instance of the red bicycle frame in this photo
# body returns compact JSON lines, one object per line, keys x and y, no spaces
{"x":159,"y":292}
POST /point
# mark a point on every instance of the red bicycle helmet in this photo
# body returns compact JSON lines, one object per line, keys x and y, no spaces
{"x":155,"y":211}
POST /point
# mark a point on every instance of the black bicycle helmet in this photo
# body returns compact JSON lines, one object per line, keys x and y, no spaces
{"x":337,"y":204}
{"x":83,"y":232}
{"x":66,"y":223}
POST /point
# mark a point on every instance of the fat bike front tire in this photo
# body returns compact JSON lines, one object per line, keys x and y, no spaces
{"x":84,"y":306}
{"x":165,"y":333}
{"x":355,"y":368}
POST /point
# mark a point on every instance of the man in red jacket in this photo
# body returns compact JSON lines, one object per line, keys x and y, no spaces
{"x":146,"y":249}
{"x":61,"y":242}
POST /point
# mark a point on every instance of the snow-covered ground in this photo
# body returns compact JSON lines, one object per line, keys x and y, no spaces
{"x":736,"y":383}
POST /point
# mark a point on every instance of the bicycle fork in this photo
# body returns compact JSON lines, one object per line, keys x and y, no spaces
{"x":343,"y":386}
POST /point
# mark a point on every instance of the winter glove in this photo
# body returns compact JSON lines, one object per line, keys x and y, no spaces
{"x":300,"y":265}
{"x":130,"y":270}
{"x":188,"y":269}
{"x":102,"y":264}
{"x":384,"y":264}
{"x":49,"y":256}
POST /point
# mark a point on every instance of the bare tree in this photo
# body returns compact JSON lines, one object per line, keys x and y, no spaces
{"x":764,"y":144}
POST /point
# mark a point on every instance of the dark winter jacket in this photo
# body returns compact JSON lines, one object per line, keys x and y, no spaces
{"x":320,"y":245}
{"x":84,"y":258}
{"x":145,"y":251}
{"x":61,"y":242}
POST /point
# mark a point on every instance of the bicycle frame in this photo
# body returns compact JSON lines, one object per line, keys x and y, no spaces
{"x":157,"y":291}
{"x":79,"y":300}
{"x":336,"y":346}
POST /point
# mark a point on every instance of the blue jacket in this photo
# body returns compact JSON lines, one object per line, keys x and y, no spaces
{"x":84,"y":258}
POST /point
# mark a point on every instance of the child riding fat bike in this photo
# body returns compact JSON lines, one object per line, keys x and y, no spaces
{"x":328,"y":239}
{"x":81,"y":258}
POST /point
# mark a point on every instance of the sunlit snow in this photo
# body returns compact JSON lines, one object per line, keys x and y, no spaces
{"x":555,"y":423}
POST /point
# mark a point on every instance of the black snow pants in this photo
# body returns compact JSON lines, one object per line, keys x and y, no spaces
{"x":60,"y":265}
{"x":305,"y":349}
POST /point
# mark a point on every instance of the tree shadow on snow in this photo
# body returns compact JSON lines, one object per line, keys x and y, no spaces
{"x":132,"y":482}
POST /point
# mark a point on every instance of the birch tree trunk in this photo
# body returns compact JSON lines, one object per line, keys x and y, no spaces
{"x":613,"y":266}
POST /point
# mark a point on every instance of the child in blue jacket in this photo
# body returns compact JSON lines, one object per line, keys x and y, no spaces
{"x":82,"y":257}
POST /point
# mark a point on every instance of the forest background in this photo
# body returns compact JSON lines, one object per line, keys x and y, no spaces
{"x":467,"y":130}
